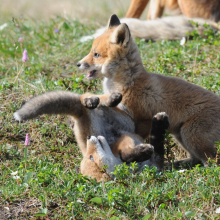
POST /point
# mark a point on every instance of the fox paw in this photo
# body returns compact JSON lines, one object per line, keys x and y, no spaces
{"x":160,"y":121}
{"x":144,"y":151}
{"x":139,"y":153}
{"x":91,"y":102}
{"x":114,"y":99}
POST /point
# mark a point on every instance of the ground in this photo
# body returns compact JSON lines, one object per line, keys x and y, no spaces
{"x":48,"y":184}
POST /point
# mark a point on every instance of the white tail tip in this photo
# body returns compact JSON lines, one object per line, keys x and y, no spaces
{"x":17,"y":117}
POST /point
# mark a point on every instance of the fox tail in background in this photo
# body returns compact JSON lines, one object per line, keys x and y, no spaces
{"x":165,"y":28}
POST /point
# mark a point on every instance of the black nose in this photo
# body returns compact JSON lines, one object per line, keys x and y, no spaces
{"x":78,"y":64}
{"x":88,"y":137}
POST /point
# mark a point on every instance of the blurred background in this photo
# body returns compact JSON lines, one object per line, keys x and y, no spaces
{"x":85,"y":10}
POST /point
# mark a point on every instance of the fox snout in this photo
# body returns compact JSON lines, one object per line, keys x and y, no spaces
{"x":92,"y":140}
{"x":83,"y":65}
{"x":92,"y":71}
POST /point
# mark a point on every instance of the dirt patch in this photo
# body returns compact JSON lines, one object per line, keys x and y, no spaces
{"x":24,"y":209}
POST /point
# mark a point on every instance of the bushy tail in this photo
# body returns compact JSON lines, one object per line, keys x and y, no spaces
{"x":56,"y":102}
{"x":165,"y":28}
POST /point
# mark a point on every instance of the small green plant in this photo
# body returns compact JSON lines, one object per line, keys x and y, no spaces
{"x":46,"y":182}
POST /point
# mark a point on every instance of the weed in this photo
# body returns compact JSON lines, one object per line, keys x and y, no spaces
{"x":48,"y":183}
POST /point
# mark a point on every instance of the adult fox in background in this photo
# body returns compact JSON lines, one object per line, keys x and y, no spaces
{"x":99,"y":117}
{"x":194,"y":112}
{"x":171,"y":27}
{"x":208,"y":9}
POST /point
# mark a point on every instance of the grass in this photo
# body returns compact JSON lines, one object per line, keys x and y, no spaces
{"x":96,"y":11}
{"x":50,"y":186}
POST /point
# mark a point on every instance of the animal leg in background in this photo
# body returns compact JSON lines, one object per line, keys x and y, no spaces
{"x":136,"y":8}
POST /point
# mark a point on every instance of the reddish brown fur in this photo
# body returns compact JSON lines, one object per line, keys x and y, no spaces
{"x":97,"y":49}
{"x":194,"y":111}
{"x":99,"y":153}
{"x":91,"y":116}
{"x":157,"y":7}
{"x":93,"y":168}
{"x":118,"y":147}
{"x":136,"y":8}
{"x":207,"y":9}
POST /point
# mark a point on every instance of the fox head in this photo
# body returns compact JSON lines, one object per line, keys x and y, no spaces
{"x":113,"y":53}
{"x":94,"y":159}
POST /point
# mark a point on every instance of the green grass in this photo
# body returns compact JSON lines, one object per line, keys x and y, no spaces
{"x":50,"y":184}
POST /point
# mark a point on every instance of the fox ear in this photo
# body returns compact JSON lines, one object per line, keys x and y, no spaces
{"x":113,"y":21}
{"x":121,"y":35}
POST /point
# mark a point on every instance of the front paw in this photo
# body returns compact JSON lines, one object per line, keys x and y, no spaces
{"x":114,"y":99}
{"x":91,"y":102}
{"x":160,"y":121}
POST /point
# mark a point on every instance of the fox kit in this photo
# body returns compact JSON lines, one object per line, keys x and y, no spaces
{"x":99,"y":152}
{"x":193,"y":111}
{"x":94,"y":116}
{"x":107,"y":121}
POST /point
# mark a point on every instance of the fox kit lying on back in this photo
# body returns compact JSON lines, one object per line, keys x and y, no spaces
{"x":194,"y":112}
{"x":99,"y":152}
{"x":106,"y":120}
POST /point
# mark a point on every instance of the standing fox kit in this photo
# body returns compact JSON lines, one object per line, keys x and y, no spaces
{"x":194,"y":112}
{"x":116,"y":143}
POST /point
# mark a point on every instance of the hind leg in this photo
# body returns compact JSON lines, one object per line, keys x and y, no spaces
{"x":160,"y":123}
{"x":131,"y":147}
{"x":155,"y":10}
{"x":198,"y":137}
{"x":136,"y":8}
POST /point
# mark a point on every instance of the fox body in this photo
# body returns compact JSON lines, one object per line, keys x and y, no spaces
{"x":193,"y":111}
{"x":99,"y":152}
{"x":208,"y":9}
{"x":98,"y":117}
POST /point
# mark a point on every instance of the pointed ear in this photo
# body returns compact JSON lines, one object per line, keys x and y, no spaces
{"x":113,"y":21}
{"x":121,"y":35}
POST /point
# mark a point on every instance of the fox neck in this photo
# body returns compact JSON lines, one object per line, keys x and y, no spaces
{"x":126,"y":71}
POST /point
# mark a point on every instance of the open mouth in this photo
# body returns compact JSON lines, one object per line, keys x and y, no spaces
{"x":91,"y":74}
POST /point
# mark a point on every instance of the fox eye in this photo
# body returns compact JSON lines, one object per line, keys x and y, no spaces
{"x":96,"y":55}
{"x":91,"y":158}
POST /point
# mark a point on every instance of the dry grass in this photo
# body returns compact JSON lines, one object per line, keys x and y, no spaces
{"x":92,"y":11}
{"x":44,"y":9}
